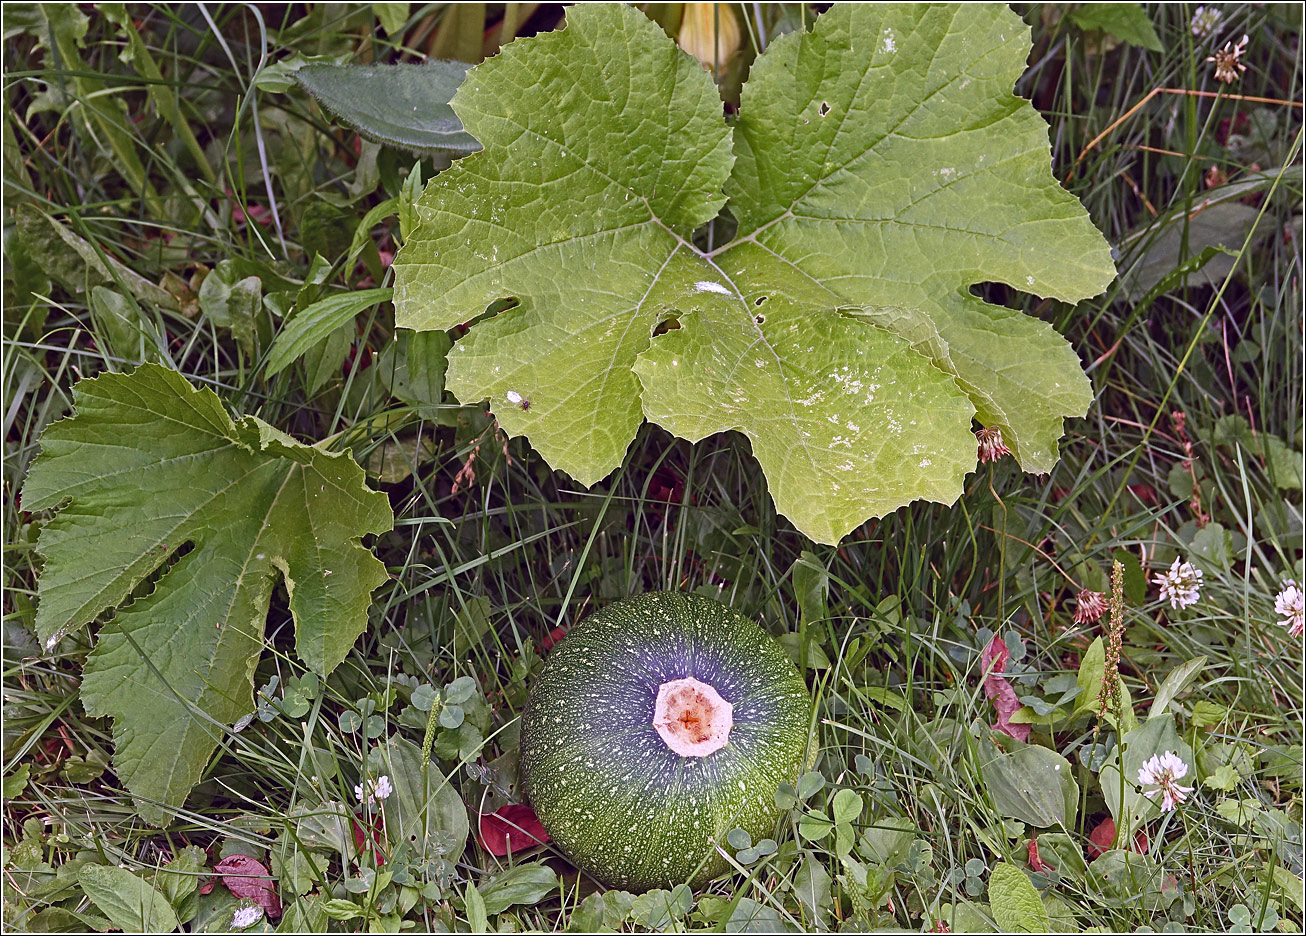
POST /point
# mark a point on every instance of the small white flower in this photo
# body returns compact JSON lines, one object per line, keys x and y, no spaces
{"x":1289,"y":605}
{"x":246,"y":916}
{"x":375,"y":790}
{"x":1164,"y":771}
{"x":1205,"y":20}
{"x":1228,"y":61}
{"x":1181,"y":585}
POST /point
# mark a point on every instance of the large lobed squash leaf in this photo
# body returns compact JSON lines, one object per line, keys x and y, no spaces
{"x":880,"y":167}
{"x":147,"y":466}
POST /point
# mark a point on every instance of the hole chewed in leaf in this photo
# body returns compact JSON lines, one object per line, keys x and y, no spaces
{"x":824,"y":108}
{"x":671,"y":323}
{"x":998,"y":294}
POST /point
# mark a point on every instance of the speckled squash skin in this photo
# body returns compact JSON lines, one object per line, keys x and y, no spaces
{"x":613,"y":796}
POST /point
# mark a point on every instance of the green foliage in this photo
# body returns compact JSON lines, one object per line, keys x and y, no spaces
{"x":1031,"y":784}
{"x":148,"y":469}
{"x":98,"y":278}
{"x":1017,"y":907}
{"x":312,"y":325}
{"x":425,"y":811}
{"x":403,"y":105}
{"x":1127,"y":21}
{"x":836,"y":329}
{"x":131,"y":903}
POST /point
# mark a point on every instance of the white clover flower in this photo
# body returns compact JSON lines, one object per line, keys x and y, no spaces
{"x":1181,"y":585}
{"x":1228,"y":61}
{"x":246,"y":916}
{"x":1205,"y":20}
{"x":375,"y":790}
{"x":1289,"y":605}
{"x":1089,"y":607}
{"x":991,"y":446}
{"x":1164,"y":771}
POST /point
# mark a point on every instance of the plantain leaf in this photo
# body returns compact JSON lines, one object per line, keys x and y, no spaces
{"x":403,"y":105}
{"x":151,"y":469}
{"x":1031,"y":784}
{"x":880,"y":167}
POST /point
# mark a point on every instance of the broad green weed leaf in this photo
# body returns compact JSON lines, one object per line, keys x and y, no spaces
{"x":312,"y":325}
{"x":150,"y":465}
{"x":403,"y":105}
{"x":1016,"y":905}
{"x":1127,"y":21}
{"x":1031,"y":784}
{"x":1176,"y":682}
{"x":881,"y":167}
{"x":129,"y":902}
{"x":425,"y":810}
{"x":524,"y":884}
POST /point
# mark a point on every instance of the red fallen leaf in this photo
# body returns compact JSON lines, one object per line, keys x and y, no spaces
{"x":1104,"y":834}
{"x":207,"y":886}
{"x":1035,"y":861}
{"x":246,"y":877}
{"x":550,"y":640}
{"x":993,"y":661}
{"x":511,"y":829}
{"x":666,"y":487}
{"x":376,"y":844}
{"x":1145,"y":493}
{"x":1241,"y":122}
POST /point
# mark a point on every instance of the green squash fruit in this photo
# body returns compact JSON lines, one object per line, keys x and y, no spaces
{"x":658,"y":725}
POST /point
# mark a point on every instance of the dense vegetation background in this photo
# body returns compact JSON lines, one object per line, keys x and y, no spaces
{"x":169,"y":191}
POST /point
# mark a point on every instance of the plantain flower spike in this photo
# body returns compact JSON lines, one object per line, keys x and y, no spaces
{"x":710,"y":33}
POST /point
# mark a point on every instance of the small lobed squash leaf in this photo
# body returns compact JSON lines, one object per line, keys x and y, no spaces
{"x":880,"y":168}
{"x":152,"y":470}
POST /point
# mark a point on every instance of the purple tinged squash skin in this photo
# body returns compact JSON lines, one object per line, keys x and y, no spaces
{"x":658,"y":725}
